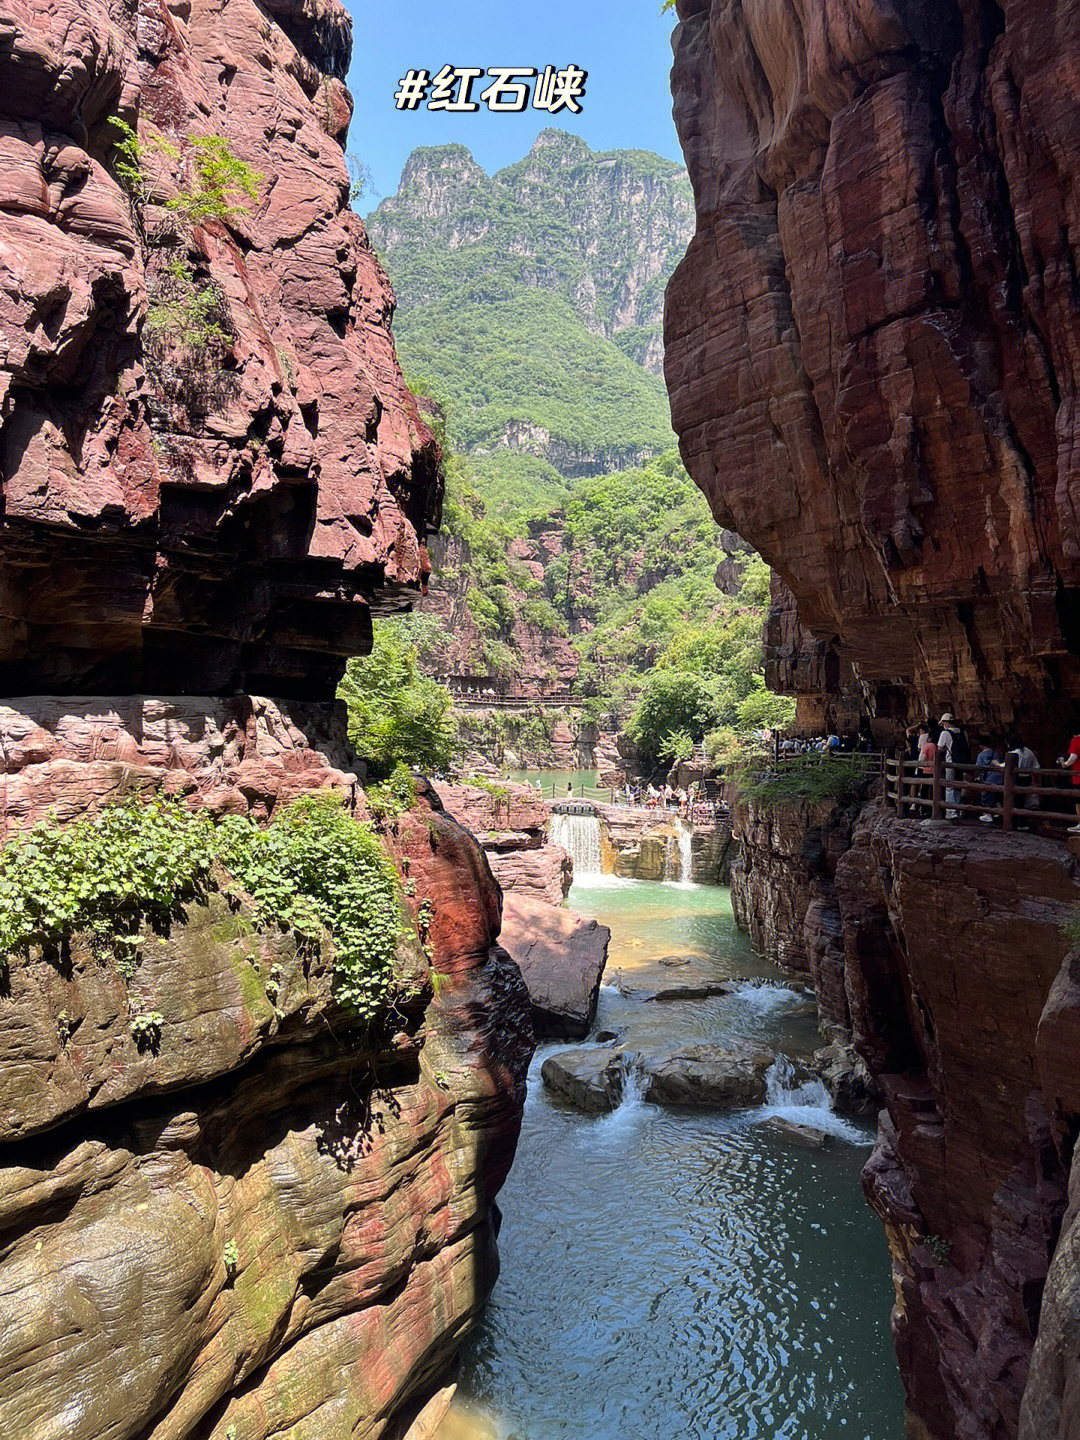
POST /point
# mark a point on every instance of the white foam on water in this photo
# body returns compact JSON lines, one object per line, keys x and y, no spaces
{"x":591,"y":881}
{"x":766,"y":997}
{"x":804,"y":1102}
{"x":630,"y":1110}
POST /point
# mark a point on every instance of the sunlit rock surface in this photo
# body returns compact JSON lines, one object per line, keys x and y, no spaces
{"x":871,"y":345}
{"x":270,"y":1220}
{"x":175,"y":521}
{"x":872,"y":355}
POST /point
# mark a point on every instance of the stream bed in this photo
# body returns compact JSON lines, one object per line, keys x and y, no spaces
{"x":679,"y":1274}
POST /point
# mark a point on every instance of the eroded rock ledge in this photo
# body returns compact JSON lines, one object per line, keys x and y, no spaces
{"x":177,"y":520}
{"x":274,"y":1218}
{"x":936,"y":950}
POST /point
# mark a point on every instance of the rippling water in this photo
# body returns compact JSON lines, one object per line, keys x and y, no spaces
{"x":678,"y":1275}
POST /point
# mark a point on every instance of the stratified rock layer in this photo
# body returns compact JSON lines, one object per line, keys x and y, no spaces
{"x":937,"y":953}
{"x":175,"y":517}
{"x":271,"y":1220}
{"x":872,"y":344}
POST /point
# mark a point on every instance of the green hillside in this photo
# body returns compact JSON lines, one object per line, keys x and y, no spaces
{"x":532,"y":299}
{"x":577,"y":549}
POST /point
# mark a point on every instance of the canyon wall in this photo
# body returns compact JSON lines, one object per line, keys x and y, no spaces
{"x":212,"y":470}
{"x":872,"y":355}
{"x":229,"y":1208}
{"x":872,"y":341}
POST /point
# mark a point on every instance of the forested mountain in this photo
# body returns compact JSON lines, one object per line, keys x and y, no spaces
{"x":575,"y":549}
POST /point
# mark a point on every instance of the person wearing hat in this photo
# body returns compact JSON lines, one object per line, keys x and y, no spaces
{"x":954,"y":752}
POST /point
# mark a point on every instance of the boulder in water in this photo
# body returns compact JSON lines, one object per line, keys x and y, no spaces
{"x":591,"y":1078}
{"x":675,"y":977}
{"x":561,"y":958}
{"x":804,"y":1135}
{"x":707,"y":1076}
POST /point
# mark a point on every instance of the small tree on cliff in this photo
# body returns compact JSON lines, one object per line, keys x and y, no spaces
{"x":397,"y":716}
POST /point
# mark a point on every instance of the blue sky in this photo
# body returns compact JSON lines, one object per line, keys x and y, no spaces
{"x":623,"y":44}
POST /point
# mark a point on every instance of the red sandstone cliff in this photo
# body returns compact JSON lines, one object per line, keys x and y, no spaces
{"x":276,"y":1219}
{"x":177,"y":519}
{"x":873,"y":341}
{"x":873,"y":355}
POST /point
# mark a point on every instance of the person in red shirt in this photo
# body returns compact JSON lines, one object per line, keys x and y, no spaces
{"x":1071,"y":761}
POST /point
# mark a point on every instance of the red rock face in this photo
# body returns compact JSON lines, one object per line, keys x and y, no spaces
{"x":872,"y":342}
{"x":175,"y":519}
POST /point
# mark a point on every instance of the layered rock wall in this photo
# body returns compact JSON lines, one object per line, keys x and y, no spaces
{"x":227,"y":1208}
{"x":872,"y":354}
{"x":937,"y":951}
{"x":193,"y":505}
{"x":871,"y":345}
{"x":273,"y":1218}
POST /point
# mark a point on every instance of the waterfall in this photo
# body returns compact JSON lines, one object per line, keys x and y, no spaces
{"x":685,"y":836}
{"x":669,"y":858}
{"x":783,"y":1092}
{"x":678,"y":854}
{"x":803,"y":1102}
{"x":579,"y":836}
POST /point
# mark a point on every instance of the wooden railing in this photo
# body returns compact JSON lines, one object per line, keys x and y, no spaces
{"x":1007,"y":794}
{"x":548,"y":701}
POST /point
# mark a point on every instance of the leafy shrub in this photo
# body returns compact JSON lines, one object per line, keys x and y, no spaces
{"x":146,"y":1030}
{"x":396,"y":714}
{"x":677,"y":746}
{"x":392,"y":797}
{"x":219,"y":178}
{"x":762,"y":710}
{"x":673,"y":702}
{"x":190,"y":312}
{"x":314,"y":870}
{"x":807,"y":779}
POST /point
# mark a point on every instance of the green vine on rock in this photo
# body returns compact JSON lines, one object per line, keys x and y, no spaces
{"x":315,"y":871}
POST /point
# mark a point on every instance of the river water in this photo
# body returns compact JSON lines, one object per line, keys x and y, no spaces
{"x":672,"y":1274}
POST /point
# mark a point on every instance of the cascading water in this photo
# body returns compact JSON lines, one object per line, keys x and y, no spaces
{"x":803,"y":1102}
{"x":685,"y":837}
{"x":678,"y":854}
{"x":579,"y":836}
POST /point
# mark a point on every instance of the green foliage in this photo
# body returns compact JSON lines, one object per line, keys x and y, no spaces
{"x":756,"y":579}
{"x":1070,"y":928}
{"x":187,"y":311}
{"x":393,"y":796}
{"x":805,"y":779}
{"x":676,"y":746}
{"x":127,"y":156}
{"x":219,"y":178}
{"x":361,"y":179}
{"x":762,"y":710}
{"x":510,"y":298}
{"x":315,"y":870}
{"x":146,"y":1030}
{"x":231,"y":1256}
{"x":940,"y":1248}
{"x":499,"y":793}
{"x":396,"y":714}
{"x":490,"y":293}
{"x":674,"y":702}
{"x":129,"y":857}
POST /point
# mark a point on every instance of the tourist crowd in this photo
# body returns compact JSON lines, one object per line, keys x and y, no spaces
{"x":989,"y":756}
